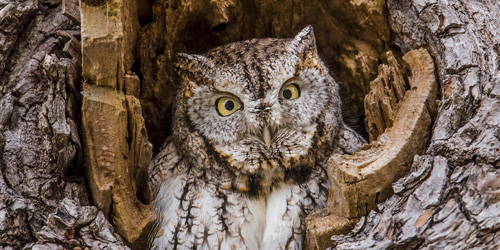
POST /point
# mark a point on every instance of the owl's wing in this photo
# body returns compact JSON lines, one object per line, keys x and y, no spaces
{"x":350,"y":141}
{"x":162,"y":166}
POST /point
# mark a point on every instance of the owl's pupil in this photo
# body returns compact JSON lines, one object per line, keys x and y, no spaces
{"x":287,"y":94}
{"x":229,"y":105}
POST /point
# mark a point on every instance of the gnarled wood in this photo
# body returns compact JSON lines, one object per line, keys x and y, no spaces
{"x":449,"y":199}
{"x":362,"y":180}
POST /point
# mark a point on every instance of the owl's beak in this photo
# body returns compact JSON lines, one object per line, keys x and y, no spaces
{"x":266,"y":135}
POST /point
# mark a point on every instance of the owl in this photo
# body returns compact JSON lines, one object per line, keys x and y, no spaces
{"x":254,"y":124}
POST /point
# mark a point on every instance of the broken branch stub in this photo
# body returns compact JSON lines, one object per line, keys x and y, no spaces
{"x":362,"y":180}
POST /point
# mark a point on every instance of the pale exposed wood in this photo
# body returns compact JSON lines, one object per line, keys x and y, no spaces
{"x":361,"y":180}
{"x":109,"y":33}
{"x":102,"y":34}
{"x":381,"y":103}
{"x":115,"y":168}
{"x":104,"y":119}
{"x":115,"y":139}
{"x":321,"y":226}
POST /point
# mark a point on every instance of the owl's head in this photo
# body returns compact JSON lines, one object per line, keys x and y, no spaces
{"x":262,"y":106}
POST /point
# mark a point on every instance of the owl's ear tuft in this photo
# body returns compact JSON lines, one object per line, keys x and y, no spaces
{"x":185,"y":57}
{"x":305,"y":35}
{"x":192,"y":67}
{"x":304,"y":42}
{"x":186,"y":62}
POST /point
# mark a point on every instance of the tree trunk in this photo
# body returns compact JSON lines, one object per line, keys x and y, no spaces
{"x":451,"y":198}
{"x":73,"y":143}
{"x":44,"y":200}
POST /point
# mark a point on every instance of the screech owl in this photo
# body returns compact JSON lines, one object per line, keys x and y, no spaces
{"x":254,"y":124}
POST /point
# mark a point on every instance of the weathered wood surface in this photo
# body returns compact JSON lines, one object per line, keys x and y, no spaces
{"x":116,"y":146}
{"x":401,"y":106}
{"x":44,"y":202}
{"x":451,"y":197}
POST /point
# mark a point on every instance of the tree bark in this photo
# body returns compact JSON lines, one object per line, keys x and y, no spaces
{"x":44,"y":202}
{"x":450,"y":198}
{"x":54,"y":195}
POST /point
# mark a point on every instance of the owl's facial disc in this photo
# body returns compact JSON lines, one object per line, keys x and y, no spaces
{"x":261,"y":104}
{"x":278,"y":128}
{"x":258,"y":133}
{"x":289,"y":91}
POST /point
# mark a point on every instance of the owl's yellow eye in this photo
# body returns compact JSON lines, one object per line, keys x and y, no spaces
{"x":290,"y":92}
{"x":227,"y":105}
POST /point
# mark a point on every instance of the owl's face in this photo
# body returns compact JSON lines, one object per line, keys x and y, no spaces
{"x":262,"y":104}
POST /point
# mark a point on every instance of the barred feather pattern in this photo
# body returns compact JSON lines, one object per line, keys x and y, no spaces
{"x":246,"y":179}
{"x":201,"y":215}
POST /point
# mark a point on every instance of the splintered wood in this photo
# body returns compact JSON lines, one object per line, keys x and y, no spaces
{"x":115,"y":137}
{"x":381,"y":103}
{"x":362,"y":180}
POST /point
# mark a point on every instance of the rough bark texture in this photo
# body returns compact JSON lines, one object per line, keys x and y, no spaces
{"x":70,"y":175}
{"x":451,"y":197}
{"x":44,"y":203}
